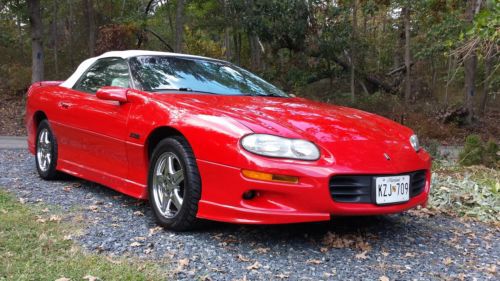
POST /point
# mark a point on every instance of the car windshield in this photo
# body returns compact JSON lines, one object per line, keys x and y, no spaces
{"x":164,"y":74}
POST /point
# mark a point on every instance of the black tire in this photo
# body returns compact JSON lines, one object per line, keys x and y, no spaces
{"x":185,"y":218}
{"x":47,"y":171}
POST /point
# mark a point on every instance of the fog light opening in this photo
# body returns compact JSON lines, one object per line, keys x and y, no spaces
{"x":249,"y":195}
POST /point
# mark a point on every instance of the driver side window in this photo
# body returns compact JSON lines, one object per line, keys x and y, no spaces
{"x":105,"y":72}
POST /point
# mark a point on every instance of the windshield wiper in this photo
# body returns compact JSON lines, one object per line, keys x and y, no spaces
{"x":263,"y":95}
{"x":183,"y":90}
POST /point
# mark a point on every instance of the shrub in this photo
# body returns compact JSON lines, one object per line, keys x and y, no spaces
{"x":476,"y":152}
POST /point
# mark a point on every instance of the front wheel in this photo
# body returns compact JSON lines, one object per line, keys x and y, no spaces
{"x":174,"y":184}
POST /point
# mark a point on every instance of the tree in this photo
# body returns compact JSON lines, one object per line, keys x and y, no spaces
{"x":470,"y":63}
{"x":179,"y":26}
{"x":353,"y":48}
{"x":406,"y":15}
{"x":35,"y":17}
{"x":89,"y":9}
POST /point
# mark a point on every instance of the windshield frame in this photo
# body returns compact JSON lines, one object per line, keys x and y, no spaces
{"x":186,"y":90}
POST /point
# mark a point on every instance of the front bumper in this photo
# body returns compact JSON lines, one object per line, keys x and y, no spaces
{"x":279,"y":203}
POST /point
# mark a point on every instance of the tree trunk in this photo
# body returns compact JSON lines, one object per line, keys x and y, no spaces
{"x":255,"y":51}
{"x":353,"y":49}
{"x":89,"y":7}
{"x":406,"y":14}
{"x":237,"y":47}
{"x":488,"y":66}
{"x":179,"y":26}
{"x":35,"y":16}
{"x":470,"y":64}
{"x":20,"y":34}
{"x":123,"y":8}
{"x":70,"y":31}
{"x":55,"y":47}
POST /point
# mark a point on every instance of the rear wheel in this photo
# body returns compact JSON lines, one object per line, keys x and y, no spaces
{"x":46,"y":152}
{"x":174,"y":184}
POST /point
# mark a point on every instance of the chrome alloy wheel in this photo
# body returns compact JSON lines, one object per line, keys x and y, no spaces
{"x":168,"y":184}
{"x":44,"y":150}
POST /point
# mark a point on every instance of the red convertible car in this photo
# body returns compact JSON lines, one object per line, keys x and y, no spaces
{"x":204,"y":139}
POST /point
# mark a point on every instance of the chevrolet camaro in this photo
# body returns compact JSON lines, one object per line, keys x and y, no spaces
{"x":202,"y":138}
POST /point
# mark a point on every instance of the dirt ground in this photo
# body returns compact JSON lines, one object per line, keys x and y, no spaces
{"x":12,"y":109}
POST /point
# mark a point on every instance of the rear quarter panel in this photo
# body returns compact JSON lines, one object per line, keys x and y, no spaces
{"x":42,"y":97}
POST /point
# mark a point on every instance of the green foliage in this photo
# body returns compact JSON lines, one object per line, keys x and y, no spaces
{"x":476,"y":152}
{"x":198,"y":42}
{"x":491,"y":157}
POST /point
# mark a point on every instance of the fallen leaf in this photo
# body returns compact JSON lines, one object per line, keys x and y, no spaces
{"x":135,"y":244}
{"x":139,"y":213}
{"x":262,"y":250}
{"x":384,"y":278}
{"x":254,"y":266}
{"x":183,"y":262}
{"x":282,"y":276}
{"x":113,"y":261}
{"x":409,"y":255}
{"x":3,"y":211}
{"x":41,"y":220}
{"x":55,"y":218}
{"x":155,"y":230}
{"x":313,"y":261}
{"x":205,"y":278}
{"x":90,"y":278}
{"x":140,"y":238}
{"x":67,"y":237}
{"x":323,"y":249}
{"x":385,"y":254}
{"x":492,"y":269}
{"x":63,"y":279}
{"x":362,"y":255}
{"x":67,"y":188}
{"x":242,"y":258}
{"x":22,"y":200}
{"x":93,"y":208}
{"x":447,"y":261}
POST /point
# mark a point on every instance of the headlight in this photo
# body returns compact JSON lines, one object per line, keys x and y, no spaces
{"x":414,"y":142}
{"x":274,"y":146}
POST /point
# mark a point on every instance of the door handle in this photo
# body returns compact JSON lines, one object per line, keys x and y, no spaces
{"x":64,"y":105}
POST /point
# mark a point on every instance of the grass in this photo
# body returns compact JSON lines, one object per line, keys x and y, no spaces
{"x":36,"y":250}
{"x":471,"y":192}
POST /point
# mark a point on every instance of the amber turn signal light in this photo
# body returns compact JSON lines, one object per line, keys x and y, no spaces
{"x":269,"y":177}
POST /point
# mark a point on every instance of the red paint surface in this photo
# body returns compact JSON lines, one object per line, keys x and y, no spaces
{"x":95,"y":143}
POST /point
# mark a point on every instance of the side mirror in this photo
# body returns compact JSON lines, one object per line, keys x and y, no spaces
{"x":118,"y":94}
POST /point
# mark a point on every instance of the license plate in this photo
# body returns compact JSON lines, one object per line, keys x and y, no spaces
{"x":392,"y":189}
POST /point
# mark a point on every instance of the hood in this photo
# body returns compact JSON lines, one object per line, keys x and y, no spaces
{"x":346,"y":133}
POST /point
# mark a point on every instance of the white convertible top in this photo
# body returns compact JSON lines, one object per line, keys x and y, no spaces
{"x":70,"y":82}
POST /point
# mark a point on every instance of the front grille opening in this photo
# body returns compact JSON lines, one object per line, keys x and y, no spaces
{"x":351,"y":189}
{"x":358,"y":188}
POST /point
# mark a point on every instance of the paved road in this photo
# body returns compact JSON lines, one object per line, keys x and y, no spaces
{"x":12,"y":142}
{"x":410,"y":246}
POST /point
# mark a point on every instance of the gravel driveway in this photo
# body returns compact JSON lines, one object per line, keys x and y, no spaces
{"x":399,"y":247}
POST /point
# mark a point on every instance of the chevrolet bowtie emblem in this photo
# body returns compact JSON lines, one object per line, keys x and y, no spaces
{"x":387,"y":157}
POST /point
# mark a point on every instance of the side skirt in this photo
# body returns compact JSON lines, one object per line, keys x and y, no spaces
{"x":119,"y":184}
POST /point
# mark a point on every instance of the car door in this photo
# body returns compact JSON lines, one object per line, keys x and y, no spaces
{"x":95,"y":130}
